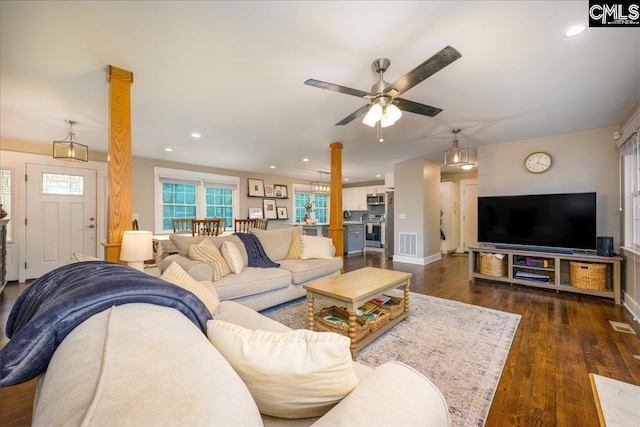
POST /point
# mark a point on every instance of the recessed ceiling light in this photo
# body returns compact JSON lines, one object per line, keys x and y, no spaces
{"x":575,"y":30}
{"x":272,"y":166}
{"x":346,"y":179}
{"x":467,"y":167}
{"x":305,"y":160}
{"x":168,"y":149}
{"x":195,"y":135}
{"x":378,"y":176}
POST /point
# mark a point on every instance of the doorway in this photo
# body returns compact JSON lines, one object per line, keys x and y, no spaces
{"x":469,"y":217}
{"x":61,"y":216}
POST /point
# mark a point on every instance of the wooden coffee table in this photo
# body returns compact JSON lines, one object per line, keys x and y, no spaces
{"x":351,"y":290}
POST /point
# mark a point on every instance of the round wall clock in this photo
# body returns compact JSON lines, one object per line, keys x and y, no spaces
{"x":537,"y":162}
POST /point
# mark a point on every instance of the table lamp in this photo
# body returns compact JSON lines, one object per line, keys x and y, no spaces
{"x":137,"y":246}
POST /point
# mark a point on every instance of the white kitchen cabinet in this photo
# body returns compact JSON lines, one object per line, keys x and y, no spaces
{"x":354,"y":199}
{"x":375,"y":189}
{"x":450,"y":217}
{"x":388,"y":180}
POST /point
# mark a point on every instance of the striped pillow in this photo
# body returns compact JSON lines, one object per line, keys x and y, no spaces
{"x":207,"y":251}
{"x":176,"y":275}
{"x":296,"y":247}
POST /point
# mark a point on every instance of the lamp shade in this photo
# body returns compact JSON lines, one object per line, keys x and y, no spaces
{"x":373,"y":115}
{"x":393,"y":112}
{"x":136,"y":247}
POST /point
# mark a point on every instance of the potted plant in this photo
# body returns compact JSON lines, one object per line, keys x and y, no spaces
{"x":308,"y":208}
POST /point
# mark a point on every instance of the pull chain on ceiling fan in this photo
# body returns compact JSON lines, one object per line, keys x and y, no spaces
{"x":385,"y":107}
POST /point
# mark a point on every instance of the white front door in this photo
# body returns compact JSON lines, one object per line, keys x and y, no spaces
{"x":60,"y":216}
{"x":469,"y":213}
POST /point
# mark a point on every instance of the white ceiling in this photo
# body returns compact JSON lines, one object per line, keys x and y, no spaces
{"x":234,"y":72}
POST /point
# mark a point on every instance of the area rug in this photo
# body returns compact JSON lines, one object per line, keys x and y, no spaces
{"x":462,"y":348}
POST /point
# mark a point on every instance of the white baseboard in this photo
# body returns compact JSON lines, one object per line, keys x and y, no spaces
{"x":632,"y":306}
{"x":418,"y":261}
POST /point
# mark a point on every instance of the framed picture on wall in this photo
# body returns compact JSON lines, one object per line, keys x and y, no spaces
{"x":255,"y":213}
{"x":269,"y":208}
{"x":268,"y":190}
{"x":280,"y":191}
{"x":256,"y":187}
{"x":282,"y":212}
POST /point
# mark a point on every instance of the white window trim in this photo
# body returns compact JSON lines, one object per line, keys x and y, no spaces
{"x":306,"y":188}
{"x":628,"y":184}
{"x":202,"y":180}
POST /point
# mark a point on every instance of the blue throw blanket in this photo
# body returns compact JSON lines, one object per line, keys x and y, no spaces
{"x":257,"y":256}
{"x":53,"y":305}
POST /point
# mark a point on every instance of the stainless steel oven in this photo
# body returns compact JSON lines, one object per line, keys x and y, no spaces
{"x":373,"y":234}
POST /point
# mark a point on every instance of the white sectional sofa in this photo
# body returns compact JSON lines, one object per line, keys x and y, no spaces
{"x":257,"y":288}
{"x":142,"y":364}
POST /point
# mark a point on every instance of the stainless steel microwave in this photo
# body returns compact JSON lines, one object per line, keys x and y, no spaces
{"x":375,"y":199}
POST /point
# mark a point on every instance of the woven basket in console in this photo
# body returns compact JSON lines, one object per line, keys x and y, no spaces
{"x":490,"y":265}
{"x":587,"y":275}
{"x":362,"y":323}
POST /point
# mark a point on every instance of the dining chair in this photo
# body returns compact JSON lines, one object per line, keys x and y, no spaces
{"x":205,"y":227}
{"x":261,"y":223}
{"x":182,"y":225}
{"x":243,"y":225}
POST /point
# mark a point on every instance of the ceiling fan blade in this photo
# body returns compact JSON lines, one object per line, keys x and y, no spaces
{"x":414,"y":107}
{"x":429,"y":67}
{"x":360,"y":111}
{"x":336,"y":88}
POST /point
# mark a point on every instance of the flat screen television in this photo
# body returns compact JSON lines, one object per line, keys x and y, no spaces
{"x":546,"y":220}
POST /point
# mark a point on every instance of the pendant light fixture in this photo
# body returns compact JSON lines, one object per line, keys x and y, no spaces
{"x":456,"y":156}
{"x":320,"y":186}
{"x":69,"y":148}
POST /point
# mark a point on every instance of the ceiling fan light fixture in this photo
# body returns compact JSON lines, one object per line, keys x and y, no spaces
{"x":386,"y":121}
{"x":373,"y":115}
{"x":393,"y":112}
{"x":69,"y":148}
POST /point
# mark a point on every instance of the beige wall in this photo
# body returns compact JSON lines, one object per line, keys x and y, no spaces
{"x":583,"y":161}
{"x":417,"y":196}
{"x":143,"y":189}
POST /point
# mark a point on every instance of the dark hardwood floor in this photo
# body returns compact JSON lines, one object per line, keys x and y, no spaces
{"x":561,"y":338}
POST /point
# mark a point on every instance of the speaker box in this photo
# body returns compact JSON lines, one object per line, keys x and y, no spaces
{"x":604,"y":246}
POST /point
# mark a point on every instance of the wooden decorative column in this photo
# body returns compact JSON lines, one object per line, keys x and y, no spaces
{"x":120,"y":208}
{"x":336,"y":228}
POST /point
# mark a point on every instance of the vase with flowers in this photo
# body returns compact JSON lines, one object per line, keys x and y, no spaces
{"x":308,"y":207}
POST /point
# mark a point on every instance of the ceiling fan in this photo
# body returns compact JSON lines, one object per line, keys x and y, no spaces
{"x":384,"y":104}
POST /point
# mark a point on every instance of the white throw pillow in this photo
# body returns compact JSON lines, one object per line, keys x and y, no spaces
{"x":207,"y":251}
{"x":232,"y":255}
{"x":176,"y":275}
{"x":296,"y":374}
{"x":316,"y":247}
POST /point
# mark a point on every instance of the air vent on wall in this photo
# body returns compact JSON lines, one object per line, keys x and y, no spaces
{"x":408,"y":244}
